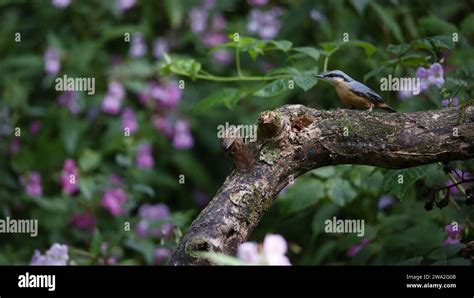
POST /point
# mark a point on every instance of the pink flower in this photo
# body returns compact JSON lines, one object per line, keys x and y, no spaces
{"x":222,"y":57}
{"x":163,"y":125}
{"x":213,"y":39}
{"x":57,"y":255}
{"x":453,"y":233}
{"x":61,"y":3}
{"x":138,"y":46}
{"x":113,"y":201}
{"x":124,"y":5}
{"x":218,"y":23}
{"x":129,"y":120}
{"x":272,"y":253}
{"x":274,"y":248}
{"x":32,"y":183}
{"x":160,"y":46}
{"x":153,"y":221}
{"x":182,"y":138}
{"x":257,"y":2}
{"x":315,"y":15}
{"x":404,"y":95}
{"x":161,"y":255}
{"x":354,"y":250}
{"x":198,"y":19}
{"x":208,"y":4}
{"x":248,"y":252}
{"x":167,"y":94}
{"x":450,"y":101}
{"x":436,"y":74}
{"x":113,"y":99}
{"x":69,"y":99}
{"x":35,"y":127}
{"x":15,"y":145}
{"x":69,"y":177}
{"x":385,"y":202}
{"x":144,"y":156}
{"x":116,"y":179}
{"x":84,"y":221}
{"x":457,"y":173}
{"x":52,"y":65}
{"x":264,"y":23}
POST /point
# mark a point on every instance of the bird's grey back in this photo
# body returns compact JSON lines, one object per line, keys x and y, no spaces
{"x":364,"y":91}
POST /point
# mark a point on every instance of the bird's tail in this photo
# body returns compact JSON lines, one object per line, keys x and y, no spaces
{"x":387,"y":107}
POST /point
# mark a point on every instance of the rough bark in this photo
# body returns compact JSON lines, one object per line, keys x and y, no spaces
{"x":294,"y":139}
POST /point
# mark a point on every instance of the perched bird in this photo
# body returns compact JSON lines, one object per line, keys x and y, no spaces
{"x":234,"y":146}
{"x":354,"y":93}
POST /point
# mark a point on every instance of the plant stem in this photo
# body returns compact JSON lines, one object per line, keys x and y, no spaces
{"x":80,"y":252}
{"x":326,"y":60}
{"x":211,"y":77}
{"x":237,"y":61}
{"x":461,"y":189}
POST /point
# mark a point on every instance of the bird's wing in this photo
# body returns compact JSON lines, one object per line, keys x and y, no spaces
{"x":364,"y":91}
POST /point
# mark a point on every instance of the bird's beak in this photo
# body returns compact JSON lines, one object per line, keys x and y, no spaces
{"x":319,"y":76}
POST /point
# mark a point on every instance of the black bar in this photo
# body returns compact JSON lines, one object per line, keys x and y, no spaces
{"x":135,"y":281}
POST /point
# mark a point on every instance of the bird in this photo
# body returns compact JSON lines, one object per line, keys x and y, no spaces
{"x":234,"y":146}
{"x":354,"y":93}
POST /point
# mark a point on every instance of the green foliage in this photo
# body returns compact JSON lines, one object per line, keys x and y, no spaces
{"x":274,"y":88}
{"x":365,"y":39}
{"x":398,"y":182}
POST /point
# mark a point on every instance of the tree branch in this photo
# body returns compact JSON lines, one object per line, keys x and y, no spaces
{"x":294,"y":139}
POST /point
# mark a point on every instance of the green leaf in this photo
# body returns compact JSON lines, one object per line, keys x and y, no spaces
{"x":58,"y":205}
{"x":146,"y":248}
{"x":330,"y":46}
{"x":305,"y":82}
{"x":325,"y":212}
{"x":324,"y":172}
{"x":360,"y":5}
{"x":175,"y":11}
{"x":123,"y":160}
{"x":302,"y":195}
{"x":398,"y":49}
{"x":388,"y":20}
{"x":435,"y":25}
{"x":369,"y":48}
{"x":274,"y":88}
{"x":436,"y":43}
{"x":134,"y":69}
{"x":467,"y":25}
{"x":193,"y":169}
{"x":459,"y":262}
{"x":221,"y":259}
{"x":89,"y":160}
{"x":444,"y":253}
{"x":188,"y":67}
{"x":391,"y":180}
{"x":252,"y":46}
{"x":144,"y":189}
{"x":86,"y":186}
{"x":282,"y":70}
{"x":413,"y":60}
{"x":96,"y":243}
{"x":374,"y":72}
{"x":283,"y":45}
{"x":340,"y":191}
{"x":411,"y":261}
{"x":228,"y":96}
{"x":71,"y":130}
{"x":311,"y":52}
